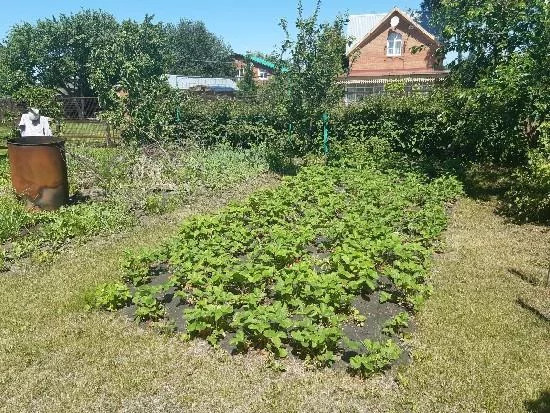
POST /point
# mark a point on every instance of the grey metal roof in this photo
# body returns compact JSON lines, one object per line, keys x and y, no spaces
{"x":216,"y":84}
{"x":360,"y":25}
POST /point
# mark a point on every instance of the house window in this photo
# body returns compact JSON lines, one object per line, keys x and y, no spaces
{"x":395,"y":44}
{"x":358,"y":93}
{"x":240,"y":72}
{"x":262,"y":73}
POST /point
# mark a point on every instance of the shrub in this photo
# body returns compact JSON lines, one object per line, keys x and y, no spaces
{"x":529,"y":196}
{"x":446,"y":124}
{"x":464,"y":124}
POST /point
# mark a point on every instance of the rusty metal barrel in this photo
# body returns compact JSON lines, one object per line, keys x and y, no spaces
{"x":39,"y":171}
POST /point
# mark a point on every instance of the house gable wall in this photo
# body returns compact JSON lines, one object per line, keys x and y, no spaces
{"x":370,"y":57}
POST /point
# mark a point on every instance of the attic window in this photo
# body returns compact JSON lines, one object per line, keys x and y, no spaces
{"x":395,"y":44}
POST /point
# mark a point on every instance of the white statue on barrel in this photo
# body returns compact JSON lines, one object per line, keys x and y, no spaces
{"x":32,"y":124}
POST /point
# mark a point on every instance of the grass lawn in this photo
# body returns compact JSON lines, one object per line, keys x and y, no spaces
{"x":476,"y":349}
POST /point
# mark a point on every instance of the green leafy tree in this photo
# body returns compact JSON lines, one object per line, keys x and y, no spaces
{"x":195,"y":51}
{"x":505,"y":74}
{"x":134,"y":63}
{"x":308,"y":86}
{"x":247,"y":85}
{"x":55,"y":53}
{"x":491,"y":33}
{"x":425,"y":16}
{"x":135,"y":60}
{"x":7,"y":76}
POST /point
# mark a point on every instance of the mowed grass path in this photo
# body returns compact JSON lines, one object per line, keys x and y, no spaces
{"x":476,"y":349}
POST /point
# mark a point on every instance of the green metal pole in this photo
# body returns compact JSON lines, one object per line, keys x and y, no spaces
{"x":325,"y":133}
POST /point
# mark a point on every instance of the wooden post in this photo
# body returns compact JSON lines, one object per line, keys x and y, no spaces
{"x":547,"y":281}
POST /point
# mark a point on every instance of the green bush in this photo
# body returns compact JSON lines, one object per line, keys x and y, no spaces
{"x":529,"y":196}
{"x":449,"y":123}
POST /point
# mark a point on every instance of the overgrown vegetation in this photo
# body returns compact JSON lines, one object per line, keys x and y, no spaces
{"x":281,"y":271}
{"x":113,"y":187}
{"x":528,"y":199}
{"x":503,"y":78}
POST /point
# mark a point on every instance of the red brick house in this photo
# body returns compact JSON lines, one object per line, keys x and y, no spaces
{"x":263,"y":69}
{"x":387,"y":48}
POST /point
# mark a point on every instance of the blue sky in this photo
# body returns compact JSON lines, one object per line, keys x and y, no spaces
{"x":246,"y":25}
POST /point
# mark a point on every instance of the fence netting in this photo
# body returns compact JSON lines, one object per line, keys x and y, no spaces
{"x":80,"y":119}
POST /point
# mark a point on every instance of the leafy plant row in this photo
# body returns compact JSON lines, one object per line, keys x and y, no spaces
{"x":281,"y":271}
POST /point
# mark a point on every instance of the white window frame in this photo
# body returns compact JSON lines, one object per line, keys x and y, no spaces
{"x":394,"y":45}
{"x":240,"y":72}
{"x":263,"y":73}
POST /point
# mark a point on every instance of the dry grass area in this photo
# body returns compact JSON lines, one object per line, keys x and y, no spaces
{"x":477,"y":350}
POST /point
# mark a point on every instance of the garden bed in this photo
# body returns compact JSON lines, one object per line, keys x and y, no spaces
{"x":329,"y":267}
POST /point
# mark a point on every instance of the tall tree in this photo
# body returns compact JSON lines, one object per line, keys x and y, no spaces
{"x":491,"y":33}
{"x":195,"y":51}
{"x":134,"y":62}
{"x":426,"y":16}
{"x":505,"y":73}
{"x":135,"y":59}
{"x":6,"y":76}
{"x":313,"y":62}
{"x":55,"y":53}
